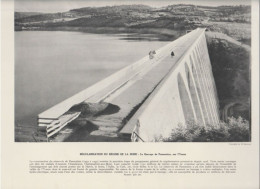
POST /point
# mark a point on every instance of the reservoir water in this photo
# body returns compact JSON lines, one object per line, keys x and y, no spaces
{"x":51,"y":66}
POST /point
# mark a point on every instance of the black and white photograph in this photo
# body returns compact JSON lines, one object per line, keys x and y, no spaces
{"x":132,"y":71}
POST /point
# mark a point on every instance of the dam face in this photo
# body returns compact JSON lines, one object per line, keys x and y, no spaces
{"x":143,"y":101}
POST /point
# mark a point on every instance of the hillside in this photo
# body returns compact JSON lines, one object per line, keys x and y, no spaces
{"x":234,"y":21}
{"x":19,"y":15}
{"x":231,"y":69}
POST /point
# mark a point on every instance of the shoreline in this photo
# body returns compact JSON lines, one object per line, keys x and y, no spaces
{"x":160,"y":34}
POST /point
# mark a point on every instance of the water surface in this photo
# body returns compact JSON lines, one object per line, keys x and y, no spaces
{"x":51,"y":66}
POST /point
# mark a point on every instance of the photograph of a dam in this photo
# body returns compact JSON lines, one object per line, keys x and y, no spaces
{"x":115,"y":72}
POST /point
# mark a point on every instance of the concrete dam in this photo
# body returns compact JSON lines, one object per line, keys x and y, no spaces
{"x":142,"y":101}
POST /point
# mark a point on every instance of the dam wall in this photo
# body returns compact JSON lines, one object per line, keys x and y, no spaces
{"x":188,"y":93}
{"x":99,"y":91}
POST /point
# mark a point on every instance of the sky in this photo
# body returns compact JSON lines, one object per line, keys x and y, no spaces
{"x":65,"y":5}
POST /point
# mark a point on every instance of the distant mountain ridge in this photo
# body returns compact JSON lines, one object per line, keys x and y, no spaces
{"x":173,"y":10}
{"x":231,"y":20}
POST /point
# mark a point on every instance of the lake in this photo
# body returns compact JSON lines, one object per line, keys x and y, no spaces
{"x":51,"y":66}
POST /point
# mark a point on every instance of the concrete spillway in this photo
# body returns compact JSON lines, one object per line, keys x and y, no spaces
{"x":144,"y":100}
